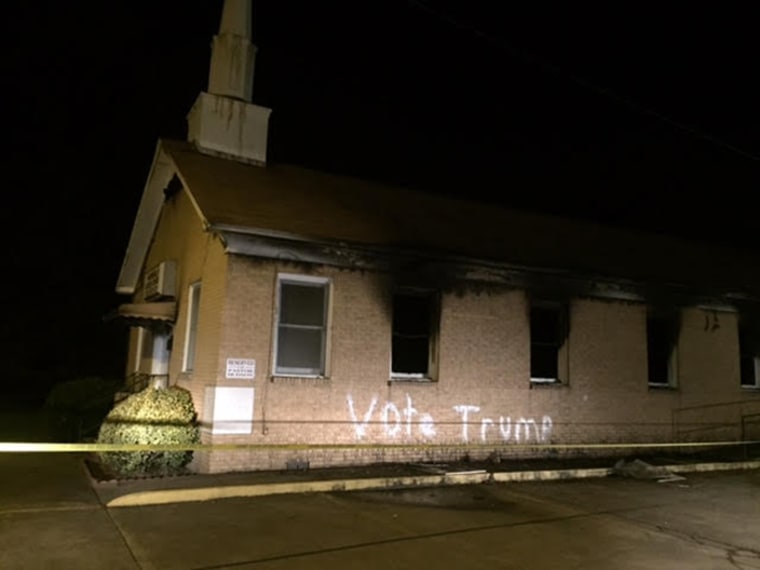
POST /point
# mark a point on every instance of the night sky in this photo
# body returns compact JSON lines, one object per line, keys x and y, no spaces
{"x":635,"y":117}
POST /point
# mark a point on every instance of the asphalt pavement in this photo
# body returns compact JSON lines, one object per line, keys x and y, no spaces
{"x":562,"y":514}
{"x":51,"y":516}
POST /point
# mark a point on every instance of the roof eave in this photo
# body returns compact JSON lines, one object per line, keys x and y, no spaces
{"x":300,"y":249}
{"x":161,"y":171}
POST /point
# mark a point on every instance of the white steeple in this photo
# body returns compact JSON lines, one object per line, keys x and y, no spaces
{"x":232,"y":54}
{"x":223,"y":121}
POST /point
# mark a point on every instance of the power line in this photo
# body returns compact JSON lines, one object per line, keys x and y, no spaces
{"x":580,"y":81}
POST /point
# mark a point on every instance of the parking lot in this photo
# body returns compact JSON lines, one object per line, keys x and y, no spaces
{"x":51,"y":518}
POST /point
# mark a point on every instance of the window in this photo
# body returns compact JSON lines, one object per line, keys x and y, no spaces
{"x":749,"y":361}
{"x":548,"y":333}
{"x":414,"y":332}
{"x":301,"y":336}
{"x":662,"y":356}
{"x":193,"y":303}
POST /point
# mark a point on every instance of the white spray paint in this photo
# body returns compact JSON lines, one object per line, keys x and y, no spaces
{"x":465,"y":412}
{"x":360,"y":429}
{"x":392,"y":428}
{"x":409,"y":413}
{"x":395,"y":422}
{"x":427,"y":426}
{"x":523,"y":426}
{"x":546,"y":428}
{"x":505,"y":432}
{"x":522,"y":429}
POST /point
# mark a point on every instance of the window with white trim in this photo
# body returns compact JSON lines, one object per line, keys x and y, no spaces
{"x":191,"y":331}
{"x":548,"y":335}
{"x":662,"y":351}
{"x":414,"y":334}
{"x":301,"y":327}
{"x":749,"y":358}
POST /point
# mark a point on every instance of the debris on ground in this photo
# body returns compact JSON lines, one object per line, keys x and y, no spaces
{"x":434,"y":468}
{"x":638,"y":469}
{"x":672,"y":478}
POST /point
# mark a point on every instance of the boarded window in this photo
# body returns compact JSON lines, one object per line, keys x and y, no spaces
{"x":415,"y":323}
{"x":301,"y":326}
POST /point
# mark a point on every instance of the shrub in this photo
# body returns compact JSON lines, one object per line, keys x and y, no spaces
{"x":154,"y":417}
{"x":81,"y":395}
{"x":77,"y":407}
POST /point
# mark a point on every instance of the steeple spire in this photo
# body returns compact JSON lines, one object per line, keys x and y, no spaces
{"x":236,"y":18}
{"x":223,"y":121}
{"x":232,"y":53}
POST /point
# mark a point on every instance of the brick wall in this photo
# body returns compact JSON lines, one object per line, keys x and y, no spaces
{"x":483,"y":372}
{"x":200,"y":256}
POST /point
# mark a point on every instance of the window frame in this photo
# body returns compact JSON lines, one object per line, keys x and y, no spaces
{"x":304,"y":280}
{"x":434,"y":298}
{"x":191,"y":327}
{"x":756,"y":385}
{"x":746,"y":353}
{"x":561,"y":346}
{"x":674,"y":319}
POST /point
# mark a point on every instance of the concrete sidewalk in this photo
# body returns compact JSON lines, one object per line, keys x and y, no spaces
{"x":202,"y":487}
{"x":709,"y":522}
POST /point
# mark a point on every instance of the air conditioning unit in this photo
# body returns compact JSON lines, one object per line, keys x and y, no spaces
{"x":160,"y":282}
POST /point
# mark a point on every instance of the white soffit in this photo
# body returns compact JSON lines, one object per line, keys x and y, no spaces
{"x":148,"y":212}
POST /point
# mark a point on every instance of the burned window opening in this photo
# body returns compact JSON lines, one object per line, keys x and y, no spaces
{"x":662,"y":339}
{"x":749,"y":358}
{"x":415,"y":316}
{"x":548,"y":332}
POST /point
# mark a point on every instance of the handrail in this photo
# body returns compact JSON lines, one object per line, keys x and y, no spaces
{"x":134,"y":382}
{"x":701,"y":414}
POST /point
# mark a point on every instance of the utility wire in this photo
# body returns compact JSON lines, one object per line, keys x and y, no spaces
{"x":582,"y":82}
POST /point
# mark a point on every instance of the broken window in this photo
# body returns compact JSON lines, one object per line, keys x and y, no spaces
{"x":662,"y":357}
{"x":548,"y":332}
{"x":193,"y":303}
{"x":301,"y":335}
{"x":749,"y":358}
{"x":415,"y":325}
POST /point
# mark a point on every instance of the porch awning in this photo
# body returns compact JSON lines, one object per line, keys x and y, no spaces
{"x":144,"y":314}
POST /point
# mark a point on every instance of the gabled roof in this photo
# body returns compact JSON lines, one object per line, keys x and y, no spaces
{"x":297,"y":204}
{"x":162,"y":170}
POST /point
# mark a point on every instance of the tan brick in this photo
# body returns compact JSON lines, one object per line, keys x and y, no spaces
{"x":484,"y":362}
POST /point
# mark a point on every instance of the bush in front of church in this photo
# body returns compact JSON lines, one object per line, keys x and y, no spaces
{"x":152,"y":417}
{"x":76,"y":408}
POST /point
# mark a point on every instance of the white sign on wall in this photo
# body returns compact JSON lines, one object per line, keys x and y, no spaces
{"x":241,"y":368}
{"x":228,"y":409}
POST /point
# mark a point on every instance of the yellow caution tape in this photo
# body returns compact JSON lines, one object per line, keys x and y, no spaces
{"x":24,"y":447}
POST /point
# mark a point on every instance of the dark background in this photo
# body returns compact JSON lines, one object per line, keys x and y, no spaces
{"x":631,"y":115}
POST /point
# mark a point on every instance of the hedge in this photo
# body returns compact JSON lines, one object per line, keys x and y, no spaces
{"x":155,"y":417}
{"x":77,"y":407}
